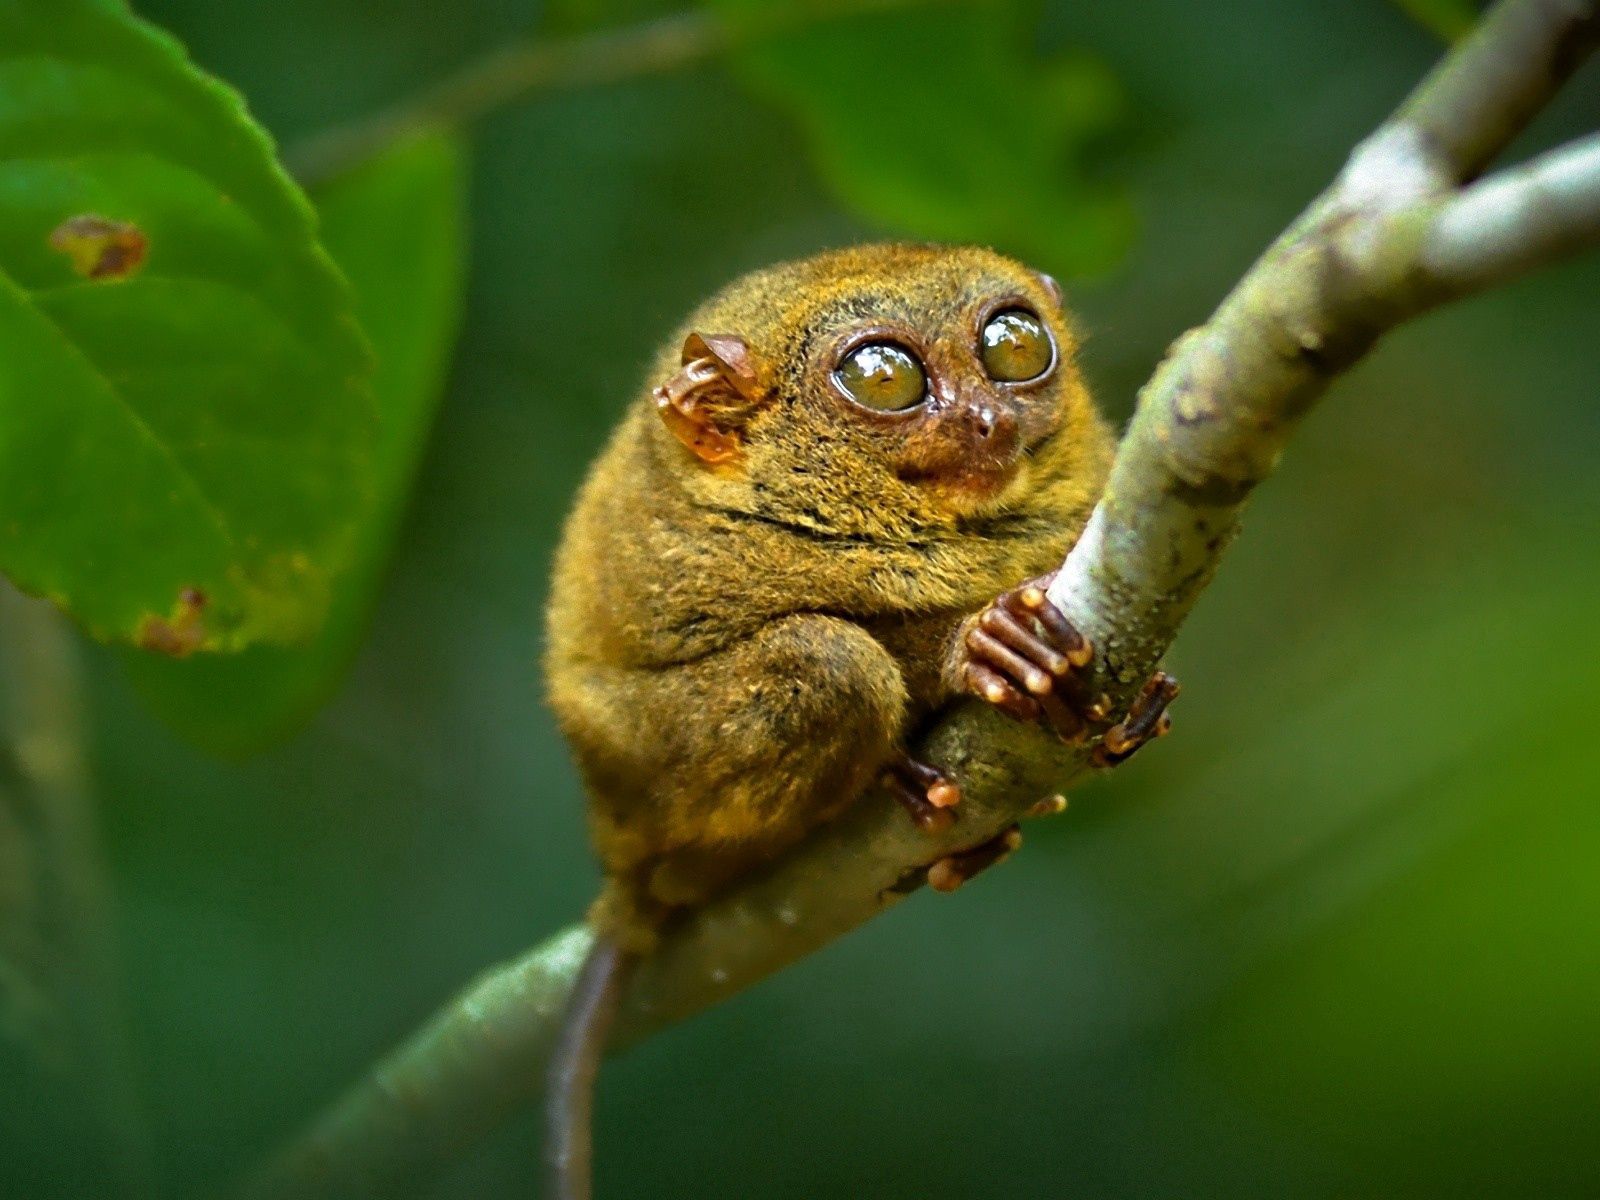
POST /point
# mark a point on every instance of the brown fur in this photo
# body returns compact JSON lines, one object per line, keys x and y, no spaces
{"x":737,"y":646}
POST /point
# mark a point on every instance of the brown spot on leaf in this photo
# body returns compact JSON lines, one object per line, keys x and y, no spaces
{"x":99,"y":247}
{"x":180,"y":634}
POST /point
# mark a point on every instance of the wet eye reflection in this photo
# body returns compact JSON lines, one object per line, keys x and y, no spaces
{"x":1016,"y":346}
{"x":882,"y":376}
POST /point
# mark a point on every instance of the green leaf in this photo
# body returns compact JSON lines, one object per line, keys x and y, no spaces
{"x":186,"y":426}
{"x":1449,"y":20}
{"x":939,"y":122}
{"x":395,"y":226}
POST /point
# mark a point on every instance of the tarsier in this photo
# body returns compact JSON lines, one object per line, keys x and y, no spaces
{"x":835,"y":510}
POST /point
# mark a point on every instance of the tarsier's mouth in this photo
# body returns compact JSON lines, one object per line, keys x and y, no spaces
{"x":976,"y":475}
{"x":990,"y":475}
{"x":975,"y":451}
{"x":988,"y":479}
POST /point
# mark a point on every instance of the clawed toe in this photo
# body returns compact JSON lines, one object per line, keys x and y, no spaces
{"x":953,"y":870}
{"x":922,"y":791}
{"x":1023,"y":656}
{"x":1147,"y":719}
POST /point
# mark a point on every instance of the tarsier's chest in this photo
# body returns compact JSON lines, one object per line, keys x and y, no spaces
{"x":919,"y":645}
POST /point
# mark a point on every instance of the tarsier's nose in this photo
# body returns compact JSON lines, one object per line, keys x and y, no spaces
{"x":990,"y":422}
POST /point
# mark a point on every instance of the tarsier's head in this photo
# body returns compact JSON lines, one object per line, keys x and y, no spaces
{"x":890,"y":382}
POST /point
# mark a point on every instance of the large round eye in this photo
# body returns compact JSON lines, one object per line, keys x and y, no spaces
{"x":883,"y":376}
{"x":1016,"y":346}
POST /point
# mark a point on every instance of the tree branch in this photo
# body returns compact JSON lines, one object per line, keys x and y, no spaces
{"x":1499,"y":79}
{"x":1519,"y":219}
{"x":1389,"y":239}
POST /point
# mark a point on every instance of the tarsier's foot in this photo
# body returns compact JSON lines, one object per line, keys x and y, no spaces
{"x":951,"y":871}
{"x":1147,"y":718}
{"x":922,"y":790}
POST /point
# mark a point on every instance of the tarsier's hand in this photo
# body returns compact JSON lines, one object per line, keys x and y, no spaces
{"x":1024,"y":657}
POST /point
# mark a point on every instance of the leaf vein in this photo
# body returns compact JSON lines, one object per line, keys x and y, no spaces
{"x":207,"y":505}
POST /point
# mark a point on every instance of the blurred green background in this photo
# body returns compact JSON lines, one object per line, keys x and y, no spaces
{"x":1339,"y":936}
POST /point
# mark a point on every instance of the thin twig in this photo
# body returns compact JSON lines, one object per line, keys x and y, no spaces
{"x":1210,"y":426}
{"x":516,"y":71}
{"x":509,"y":74}
{"x":77,"y":981}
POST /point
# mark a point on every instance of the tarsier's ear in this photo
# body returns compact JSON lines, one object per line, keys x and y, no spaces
{"x":1051,"y":286}
{"x":706,"y":404}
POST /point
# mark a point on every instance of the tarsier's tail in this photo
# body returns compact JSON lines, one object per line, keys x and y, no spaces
{"x":574,"y":1063}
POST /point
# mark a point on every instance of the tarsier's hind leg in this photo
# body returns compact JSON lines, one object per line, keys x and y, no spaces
{"x":718,"y":765}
